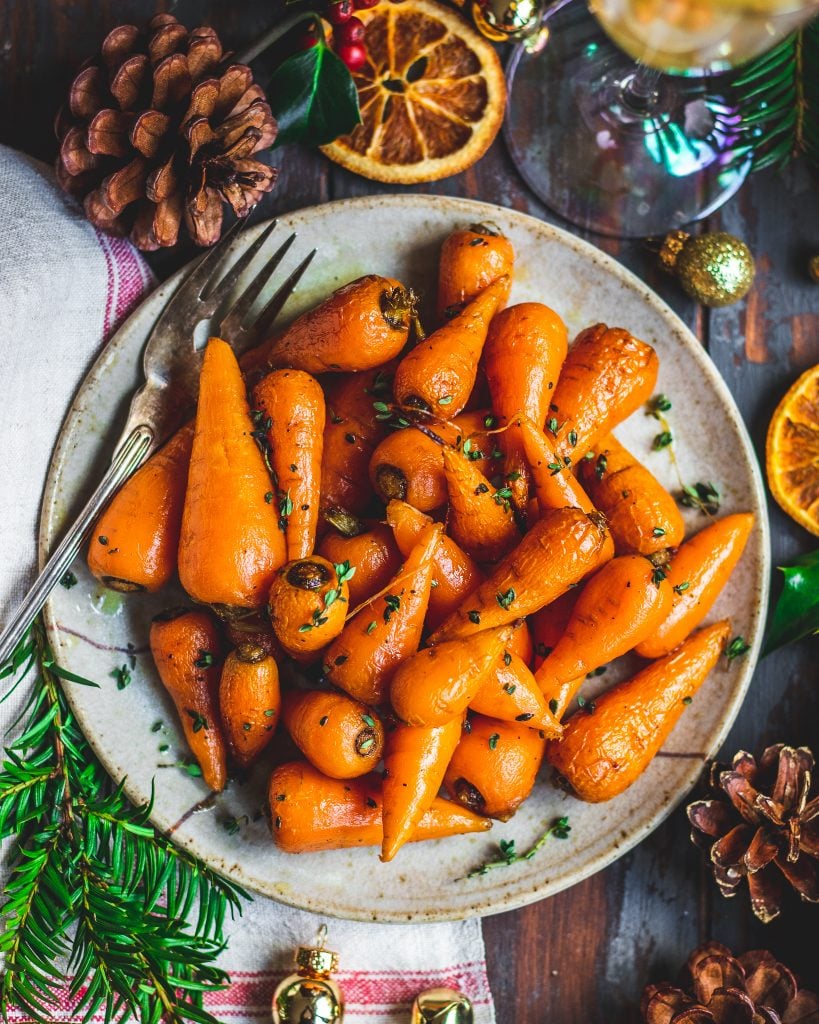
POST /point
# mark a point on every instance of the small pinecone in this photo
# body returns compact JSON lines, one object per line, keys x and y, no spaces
{"x":763,"y":825}
{"x":724,"y":989}
{"x":159,"y":130}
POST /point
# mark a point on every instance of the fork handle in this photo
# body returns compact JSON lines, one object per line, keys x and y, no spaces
{"x":128,"y":458}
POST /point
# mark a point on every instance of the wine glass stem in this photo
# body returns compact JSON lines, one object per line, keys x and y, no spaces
{"x":639,"y":91}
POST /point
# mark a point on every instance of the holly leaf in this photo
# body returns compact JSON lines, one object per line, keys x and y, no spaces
{"x":797,"y":610}
{"x":313,"y":97}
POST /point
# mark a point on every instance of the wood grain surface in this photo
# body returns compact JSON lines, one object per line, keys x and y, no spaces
{"x":584,"y":955}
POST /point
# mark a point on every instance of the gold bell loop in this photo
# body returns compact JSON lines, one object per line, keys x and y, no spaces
{"x":317,"y":960}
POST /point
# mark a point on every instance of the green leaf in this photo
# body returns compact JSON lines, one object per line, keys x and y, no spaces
{"x":313,"y":97}
{"x":797,"y":610}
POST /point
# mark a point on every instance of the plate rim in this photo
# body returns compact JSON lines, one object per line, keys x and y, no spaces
{"x":498,"y":901}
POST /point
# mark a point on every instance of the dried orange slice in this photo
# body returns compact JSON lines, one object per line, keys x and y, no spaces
{"x":432,"y":95}
{"x":792,"y":451}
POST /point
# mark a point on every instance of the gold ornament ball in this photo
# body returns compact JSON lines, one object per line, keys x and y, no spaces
{"x":716,"y":269}
{"x":505,"y":21}
{"x":311,"y":995}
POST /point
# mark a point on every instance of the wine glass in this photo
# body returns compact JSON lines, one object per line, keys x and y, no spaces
{"x":635,"y":149}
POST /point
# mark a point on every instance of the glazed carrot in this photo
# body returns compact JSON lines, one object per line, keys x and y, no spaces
{"x":472,"y":259}
{"x":699,"y":571}
{"x":291,"y":404}
{"x":642,"y":515}
{"x":230,"y":544}
{"x":135,"y":541}
{"x":512,"y":695}
{"x":562,"y":547}
{"x":454,"y":575}
{"x":437,"y":684}
{"x":310,"y":812}
{"x":553,"y":483}
{"x":601,"y":755}
{"x":521,"y":644}
{"x":621,"y":605}
{"x":549,"y":624}
{"x":607,"y":375}
{"x":254,"y":629}
{"x":439,"y":373}
{"x":372,"y":552}
{"x":524,"y":352}
{"x":479,"y":518}
{"x":187,"y":652}
{"x":494,"y":766}
{"x":338,"y":735}
{"x":414,"y":761}
{"x":308,"y":603}
{"x":351,"y":433}
{"x":360,"y":326}
{"x":249,"y":701}
{"x":386,"y":630}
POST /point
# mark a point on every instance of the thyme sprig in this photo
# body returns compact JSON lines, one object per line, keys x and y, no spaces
{"x":560,"y":829}
{"x":136,"y":921}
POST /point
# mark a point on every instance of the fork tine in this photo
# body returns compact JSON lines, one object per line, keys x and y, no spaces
{"x":239,"y":310}
{"x":271,"y":310}
{"x":207,"y":267}
{"x":220,"y":290}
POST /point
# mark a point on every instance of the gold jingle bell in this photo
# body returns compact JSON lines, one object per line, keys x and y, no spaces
{"x":310,"y":996}
{"x":505,"y":21}
{"x":441,"y":1006}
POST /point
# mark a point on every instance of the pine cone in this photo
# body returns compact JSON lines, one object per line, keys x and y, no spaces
{"x":724,"y":989}
{"x":762,"y":825}
{"x":159,"y":129}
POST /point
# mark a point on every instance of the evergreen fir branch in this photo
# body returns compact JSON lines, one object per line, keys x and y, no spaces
{"x":93,"y":884}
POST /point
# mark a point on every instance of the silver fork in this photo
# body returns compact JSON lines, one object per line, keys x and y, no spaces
{"x":171,"y":365}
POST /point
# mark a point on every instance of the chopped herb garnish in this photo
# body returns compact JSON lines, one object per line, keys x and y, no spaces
{"x":489,"y":422}
{"x":509,"y":688}
{"x":371,"y":627}
{"x":247,"y":726}
{"x":555,"y":467}
{"x":381,"y":407}
{"x":658,"y":575}
{"x":371,"y":802}
{"x":586,"y":705}
{"x":269,"y":496}
{"x":553,"y":706}
{"x":493,"y":740}
{"x":703,"y":496}
{"x":737,"y":647}
{"x":507,"y":658}
{"x":601,"y":466}
{"x":446,"y":400}
{"x":368,"y":720}
{"x":163,"y":748}
{"x":349,"y":438}
{"x":199,"y":720}
{"x":270,"y":712}
{"x":656,"y":405}
{"x":525,"y":717}
{"x":662,"y":440}
{"x":393,"y":603}
{"x":122,"y":676}
{"x":68,"y":580}
{"x":596,"y":672}
{"x":102,"y":539}
{"x":688,"y":700}
{"x":475,"y":617}
{"x":658,"y":531}
{"x":559,"y":829}
{"x":681,"y":588}
{"x":156,"y":726}
{"x":481,"y":489}
{"x":572,"y":437}
{"x":502,"y":496}
{"x":552,"y":425}
{"x":505,"y":598}
{"x":205,"y":659}
{"x":541,"y":650}
{"x":324,"y":720}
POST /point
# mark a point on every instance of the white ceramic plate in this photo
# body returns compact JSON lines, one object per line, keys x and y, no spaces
{"x":93,"y":631}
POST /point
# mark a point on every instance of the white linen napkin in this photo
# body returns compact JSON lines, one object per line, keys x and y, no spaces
{"x":64,"y":288}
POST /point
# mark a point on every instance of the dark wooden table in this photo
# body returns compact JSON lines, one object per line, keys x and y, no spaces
{"x":584,"y":955}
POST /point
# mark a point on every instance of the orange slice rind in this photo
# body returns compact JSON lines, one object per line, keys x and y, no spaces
{"x":792,"y":451}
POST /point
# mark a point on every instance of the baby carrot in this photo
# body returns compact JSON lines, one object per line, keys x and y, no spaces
{"x":480,"y":518}
{"x":494,"y":766}
{"x":472,"y":259}
{"x":511,"y":694}
{"x":618,"y":607}
{"x":135,"y":540}
{"x":438,"y":683}
{"x":642,"y":515}
{"x":562,"y":547}
{"x":553,"y":484}
{"x":439,"y":373}
{"x":338,"y":735}
{"x":249,"y":701}
{"x":291,"y":416}
{"x":549,"y":624}
{"x":308,"y":603}
{"x":415,"y":760}
{"x":699,"y":570}
{"x":226,"y":511}
{"x":310,"y":812}
{"x":255,"y":629}
{"x":386,"y":630}
{"x":371,"y":551}
{"x":187,"y":652}
{"x":601,"y":755}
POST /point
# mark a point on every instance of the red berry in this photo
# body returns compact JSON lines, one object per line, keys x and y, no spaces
{"x":339,"y":11}
{"x":354,"y":55}
{"x":351,"y":31}
{"x":363,"y":5}
{"x":308,"y":41}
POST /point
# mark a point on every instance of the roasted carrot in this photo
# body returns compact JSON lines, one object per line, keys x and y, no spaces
{"x":521,"y":644}
{"x":524,"y":352}
{"x":310,"y":812}
{"x":308,"y":603}
{"x":230,"y":544}
{"x":562,"y":547}
{"x":549,"y":624}
{"x":351,"y":433}
{"x":601,"y":755}
{"x":642,"y":515}
{"x":511,"y":694}
{"x":607,"y":375}
{"x":254,"y":629}
{"x":414,"y":764}
{"x":187,"y":652}
{"x":698,"y":572}
{"x":553,"y":484}
{"x":620,"y":605}
{"x":360,"y":326}
{"x":480,"y":518}
{"x":455,"y":574}
{"x":439,"y":373}
{"x":437,"y":684}
{"x":372,"y":552}
{"x":135,"y":541}
{"x":290,"y":404}
{"x":249,"y":701}
{"x":338,"y":735}
{"x":386,"y":630}
{"x":472,"y":259}
{"x":494,"y":766}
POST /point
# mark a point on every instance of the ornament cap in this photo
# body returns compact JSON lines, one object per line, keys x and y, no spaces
{"x":317,"y":960}
{"x":673,"y":245}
